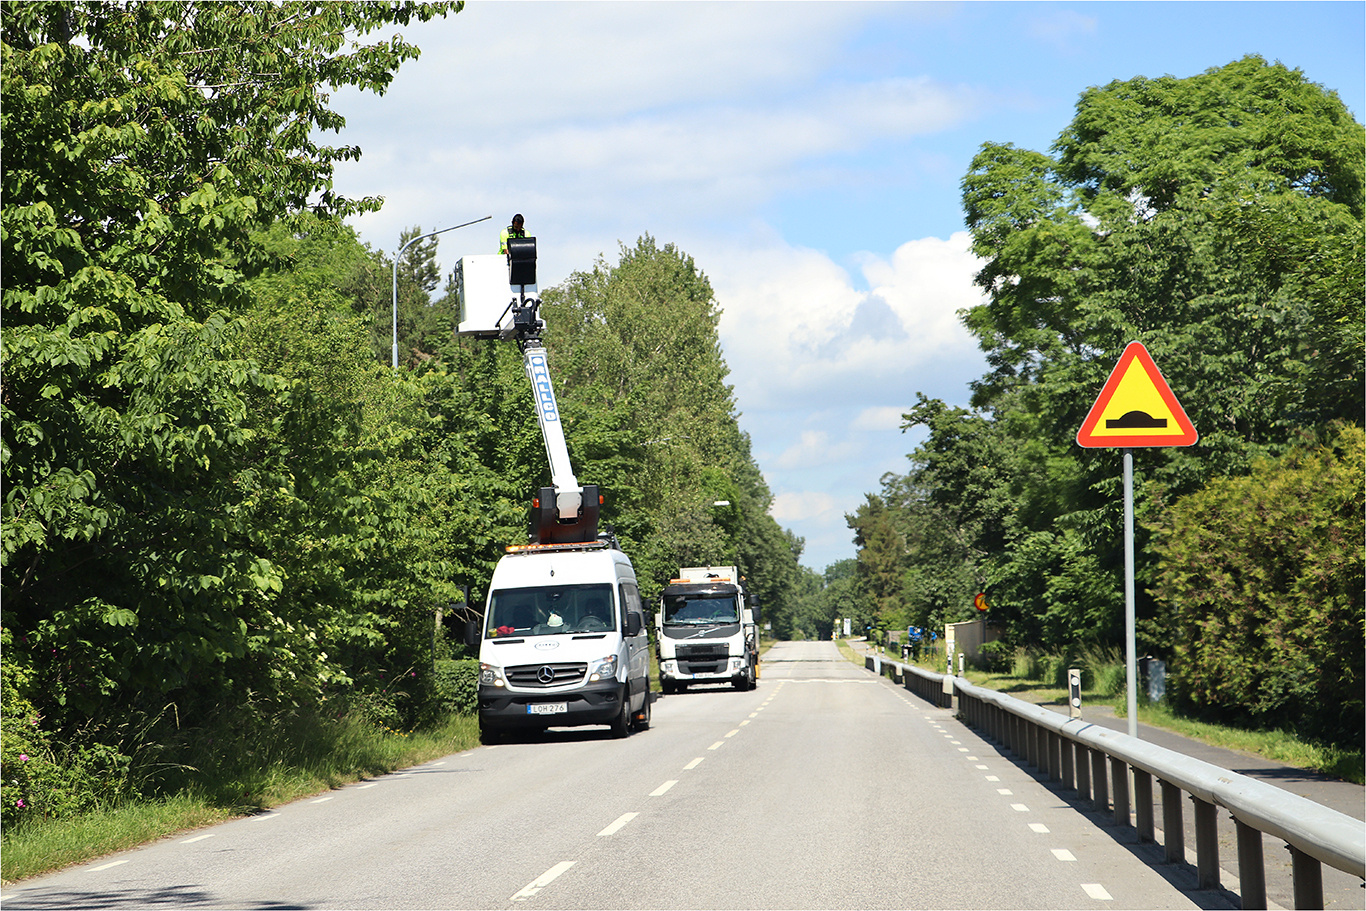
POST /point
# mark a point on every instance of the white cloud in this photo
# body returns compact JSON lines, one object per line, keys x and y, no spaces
{"x":797,"y":506}
{"x":796,"y":330}
{"x":881,"y":417}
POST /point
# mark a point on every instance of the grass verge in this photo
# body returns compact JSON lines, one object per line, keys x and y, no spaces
{"x":1276,"y":746}
{"x":348,"y":752}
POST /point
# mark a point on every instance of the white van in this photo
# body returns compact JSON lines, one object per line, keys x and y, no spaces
{"x":563,"y":642}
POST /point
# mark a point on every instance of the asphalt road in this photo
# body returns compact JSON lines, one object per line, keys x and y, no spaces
{"x":826,"y":787}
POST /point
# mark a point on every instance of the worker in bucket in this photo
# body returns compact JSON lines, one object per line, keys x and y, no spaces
{"x":513,"y":230}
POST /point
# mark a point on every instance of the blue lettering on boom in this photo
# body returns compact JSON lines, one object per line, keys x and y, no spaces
{"x":545,"y":393}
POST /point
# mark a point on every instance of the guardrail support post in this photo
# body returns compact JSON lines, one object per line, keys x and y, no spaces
{"x":1083,"y":772}
{"x":1173,"y":831}
{"x":1100,"y":794}
{"x":1119,"y":775}
{"x":1054,"y":755}
{"x":1143,"y":804}
{"x":1251,"y":866}
{"x":1069,"y":778}
{"x":1308,"y":877}
{"x":1206,"y":844}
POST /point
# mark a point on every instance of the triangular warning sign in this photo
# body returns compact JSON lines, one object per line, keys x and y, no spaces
{"x":1136,"y":408}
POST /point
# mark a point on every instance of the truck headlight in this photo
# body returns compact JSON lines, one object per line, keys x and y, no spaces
{"x":670,"y":667}
{"x":737,"y":664}
{"x":604,"y":669}
{"x":489,"y":675}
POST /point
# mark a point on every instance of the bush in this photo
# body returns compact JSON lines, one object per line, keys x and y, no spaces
{"x":1262,"y":577}
{"x":456,"y":687}
{"x":39,"y":778}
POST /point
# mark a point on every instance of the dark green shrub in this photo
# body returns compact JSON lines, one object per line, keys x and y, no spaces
{"x":1262,"y":577}
{"x":456,"y":687}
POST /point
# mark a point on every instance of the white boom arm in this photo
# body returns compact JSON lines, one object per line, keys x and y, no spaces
{"x":568,"y":493}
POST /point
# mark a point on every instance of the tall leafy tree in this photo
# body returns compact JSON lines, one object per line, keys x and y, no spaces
{"x":144,"y":144}
{"x":1218,"y":219}
{"x":650,"y":417}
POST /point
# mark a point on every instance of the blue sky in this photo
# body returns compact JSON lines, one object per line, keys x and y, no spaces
{"x":807,"y":155}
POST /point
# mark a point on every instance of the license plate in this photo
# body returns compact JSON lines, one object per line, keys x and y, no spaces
{"x":547,"y":708}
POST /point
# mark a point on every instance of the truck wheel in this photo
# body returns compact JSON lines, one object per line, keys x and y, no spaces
{"x":621,"y":726}
{"x":668,"y":687}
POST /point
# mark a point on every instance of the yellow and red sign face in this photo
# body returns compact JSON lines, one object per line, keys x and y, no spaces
{"x":1136,"y":408}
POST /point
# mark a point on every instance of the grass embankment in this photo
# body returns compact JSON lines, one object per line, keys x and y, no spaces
{"x":1275,"y":746}
{"x":235,"y":778}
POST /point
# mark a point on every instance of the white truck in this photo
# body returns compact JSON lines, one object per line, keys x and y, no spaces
{"x":706,"y":630}
{"x":563,"y":640}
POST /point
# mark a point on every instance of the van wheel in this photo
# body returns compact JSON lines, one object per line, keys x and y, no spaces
{"x":621,"y":726}
{"x":490,"y":734}
{"x":643,"y":720}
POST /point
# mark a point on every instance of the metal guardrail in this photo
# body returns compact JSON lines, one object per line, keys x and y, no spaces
{"x":1076,"y":753}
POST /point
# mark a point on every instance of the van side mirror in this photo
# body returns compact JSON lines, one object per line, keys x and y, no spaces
{"x":473,"y":632}
{"x":635,"y":622}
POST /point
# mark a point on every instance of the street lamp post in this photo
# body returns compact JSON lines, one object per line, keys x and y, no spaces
{"x":399,"y":256}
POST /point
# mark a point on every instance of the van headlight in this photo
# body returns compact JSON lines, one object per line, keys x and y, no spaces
{"x":603,"y":669}
{"x":489,"y":675}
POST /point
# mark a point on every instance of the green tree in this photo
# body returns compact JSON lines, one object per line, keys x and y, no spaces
{"x":650,"y":418}
{"x":144,"y":145}
{"x":1218,"y":219}
{"x":1135,"y":228}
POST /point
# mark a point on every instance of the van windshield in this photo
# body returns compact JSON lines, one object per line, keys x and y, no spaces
{"x":695,"y":610}
{"x":550,"y":610}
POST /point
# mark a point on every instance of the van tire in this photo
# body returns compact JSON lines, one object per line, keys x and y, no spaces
{"x":643,"y":723}
{"x":490,"y":734}
{"x":621,"y":726}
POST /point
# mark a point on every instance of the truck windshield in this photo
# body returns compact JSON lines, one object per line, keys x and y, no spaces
{"x":689,"y":610}
{"x":551,"y":610}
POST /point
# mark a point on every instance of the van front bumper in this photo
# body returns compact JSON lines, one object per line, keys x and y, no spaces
{"x":592,"y":703}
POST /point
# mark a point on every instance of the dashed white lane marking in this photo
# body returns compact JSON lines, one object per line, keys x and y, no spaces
{"x":733,"y":733}
{"x":1039,"y":827}
{"x":1019,"y":808}
{"x":1063,"y":854}
{"x":615,"y":827}
{"x":717,"y":745}
{"x":190,"y":841}
{"x":106,"y":866}
{"x":264,"y":816}
{"x":364,"y":787}
{"x":993,"y":778}
{"x":545,"y":879}
{"x":970,"y":758}
{"x":743,"y":723}
{"x":980,"y":766}
{"x":659,"y":791}
{"x":1004,"y":791}
{"x":692,"y":765}
{"x":1097,"y":891}
{"x":321,"y":800}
